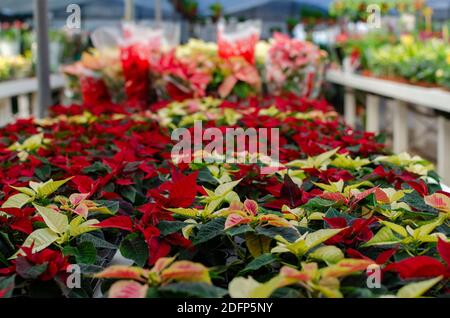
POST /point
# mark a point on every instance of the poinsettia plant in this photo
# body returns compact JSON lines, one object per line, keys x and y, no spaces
{"x":95,"y":180}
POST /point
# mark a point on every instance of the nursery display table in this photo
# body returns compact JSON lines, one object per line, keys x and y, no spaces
{"x":399,"y":95}
{"x":26,"y":92}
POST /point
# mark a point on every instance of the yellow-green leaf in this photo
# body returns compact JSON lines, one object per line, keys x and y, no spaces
{"x":257,"y":244}
{"x":320,"y":236}
{"x":396,"y":228}
{"x":58,"y":222}
{"x":385,"y":236}
{"x":190,"y":213}
{"x":415,"y":290}
{"x":329,"y":254}
{"x":78,"y":229}
{"x":223,"y":189}
{"x":39,"y":239}
{"x":50,"y":187}
{"x":24,"y":190}
{"x":426,"y":229}
{"x":17,"y":201}
{"x":241,"y":287}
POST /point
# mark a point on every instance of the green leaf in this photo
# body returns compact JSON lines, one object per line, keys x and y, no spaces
{"x":112,"y":206}
{"x":129,"y":193}
{"x":29,"y":271}
{"x":17,"y":201}
{"x":385,"y":236}
{"x":209,"y":231}
{"x":7,"y":285}
{"x":97,"y":241}
{"x":287,"y":233}
{"x":134,"y":247}
{"x":43,"y":172}
{"x":199,"y":290}
{"x":170,"y":227}
{"x":259,"y":262}
{"x":84,"y":253}
{"x":318,"y":203}
{"x":58,"y":222}
{"x":238,"y":230}
{"x":328,"y":254}
{"x":97,"y":167}
{"x":415,"y":290}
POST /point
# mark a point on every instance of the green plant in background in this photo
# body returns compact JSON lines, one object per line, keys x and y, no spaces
{"x":356,"y":10}
{"x":216,"y":11}
{"x":291,"y":22}
{"x":415,"y":61}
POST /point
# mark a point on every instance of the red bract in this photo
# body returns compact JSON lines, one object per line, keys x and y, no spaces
{"x":181,"y":192}
{"x":424,"y":266}
{"x":330,"y":175}
{"x":381,"y":259}
{"x":94,"y":91}
{"x":56,"y":263}
{"x":20,"y":219}
{"x":117,"y":222}
{"x":355,"y":233}
{"x":290,"y":195}
{"x":398,"y":178}
{"x":136,"y":68}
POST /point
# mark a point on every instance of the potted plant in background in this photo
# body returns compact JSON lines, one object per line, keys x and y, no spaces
{"x":291,"y":23}
{"x":188,"y":9}
{"x":216,"y":11}
{"x":10,"y":39}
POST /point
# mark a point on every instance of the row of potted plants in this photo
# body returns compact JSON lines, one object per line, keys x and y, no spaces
{"x":416,"y":59}
{"x":92,"y":179}
{"x":359,"y":10}
{"x":238,"y":66}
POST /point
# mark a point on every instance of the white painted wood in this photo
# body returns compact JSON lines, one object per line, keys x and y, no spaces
{"x":22,"y":88}
{"x":400,"y":120}
{"x":28,"y":85}
{"x":23,"y":102}
{"x":34,"y":105}
{"x":373,"y":113}
{"x":444,"y":148}
{"x":434,"y":98}
{"x":350,"y":107}
{"x":129,"y":10}
{"x":6,"y":114}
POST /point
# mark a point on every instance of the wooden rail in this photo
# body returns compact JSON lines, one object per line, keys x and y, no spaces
{"x":26,"y":92}
{"x":399,"y":96}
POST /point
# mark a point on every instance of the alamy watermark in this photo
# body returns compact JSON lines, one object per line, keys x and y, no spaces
{"x":73,"y":280}
{"x":373,"y":276}
{"x":73,"y":21}
{"x":374,"y":17}
{"x":229,"y":145}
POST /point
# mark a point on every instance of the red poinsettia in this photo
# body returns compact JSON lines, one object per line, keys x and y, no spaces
{"x":55,"y":264}
{"x":424,"y":266}
{"x":355,"y":232}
